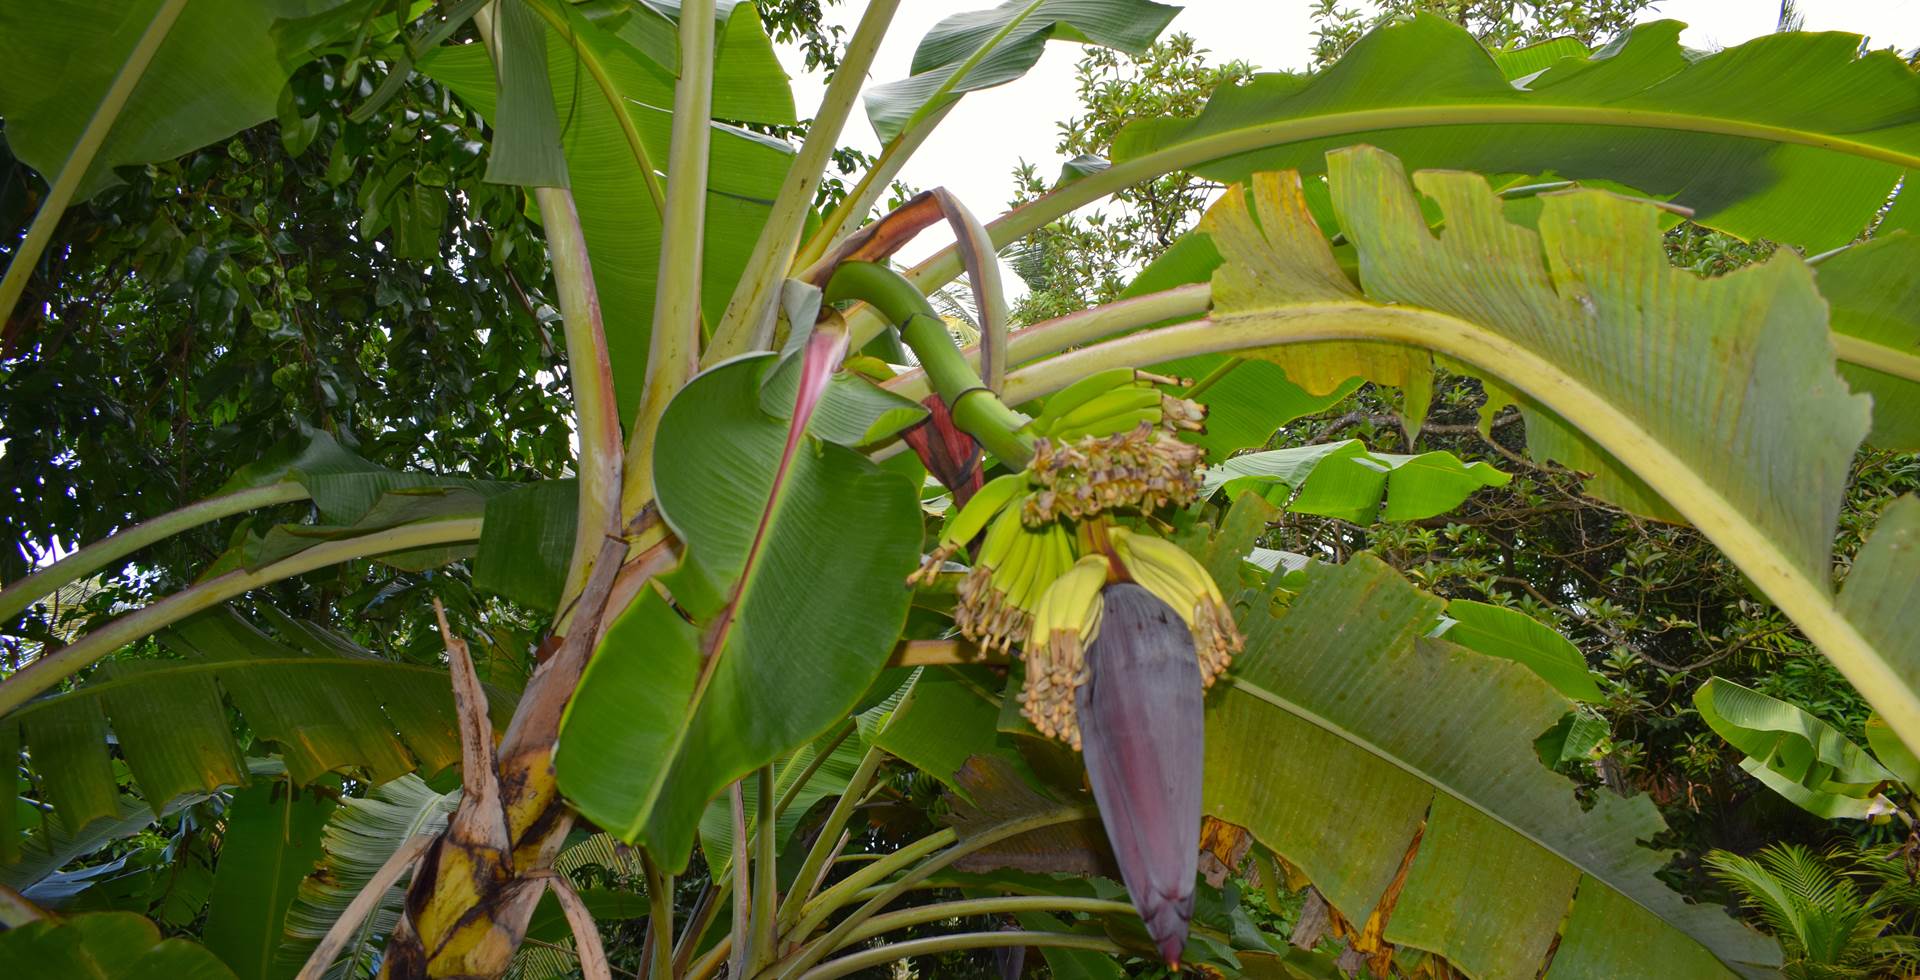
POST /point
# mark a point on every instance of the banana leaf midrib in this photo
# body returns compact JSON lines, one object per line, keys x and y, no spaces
{"x":183,"y":668}
{"x":1809,"y":602}
{"x":1019,"y":222}
{"x":1206,"y":149}
{"x":1877,"y":357}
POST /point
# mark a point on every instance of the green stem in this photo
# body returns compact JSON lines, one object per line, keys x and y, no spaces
{"x":659,"y":918}
{"x":976,"y":410}
{"x":742,"y":884}
{"x":766,"y":883}
{"x":1213,"y":377}
{"x":54,"y":666}
{"x":717,"y":895}
{"x":853,"y":209}
{"x":98,"y":555}
{"x":925,"y":869}
{"x":963,"y":940}
{"x":752,"y":304}
{"x":673,"y":352}
{"x":591,"y":374}
{"x":816,"y":911}
{"x":813,"y":766}
{"x":79,"y":161}
{"x":1100,"y":322}
{"x":824,"y":842}
{"x":999,"y":905}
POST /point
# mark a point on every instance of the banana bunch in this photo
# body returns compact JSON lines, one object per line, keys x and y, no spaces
{"x":1015,"y":566}
{"x":1166,"y":570}
{"x":1114,"y":401}
{"x":1108,"y":443}
{"x":1065,"y":623}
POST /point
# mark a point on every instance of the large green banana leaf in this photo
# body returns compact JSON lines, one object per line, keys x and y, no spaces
{"x":1346,"y":737}
{"x":270,"y":843}
{"x":1794,"y":137}
{"x":1713,"y":399}
{"x":216,"y":70}
{"x":615,"y":104}
{"x":322,"y":703}
{"x":783,"y":640}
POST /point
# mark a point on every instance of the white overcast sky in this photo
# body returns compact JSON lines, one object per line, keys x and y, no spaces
{"x":974,"y":152}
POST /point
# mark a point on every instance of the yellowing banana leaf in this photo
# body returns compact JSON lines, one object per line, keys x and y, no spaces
{"x":1247,"y":400}
{"x":1794,"y":137}
{"x":1346,"y":480}
{"x":983,"y":48}
{"x":1345,"y":739}
{"x":783,"y":643}
{"x":1715,"y":400}
{"x":323,"y":704}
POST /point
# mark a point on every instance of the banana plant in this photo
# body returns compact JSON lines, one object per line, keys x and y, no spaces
{"x":741,"y":560}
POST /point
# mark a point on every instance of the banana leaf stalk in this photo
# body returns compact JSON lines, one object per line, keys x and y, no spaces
{"x":1142,"y":735}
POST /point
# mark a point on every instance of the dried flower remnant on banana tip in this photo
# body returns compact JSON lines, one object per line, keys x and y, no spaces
{"x":1062,"y":651}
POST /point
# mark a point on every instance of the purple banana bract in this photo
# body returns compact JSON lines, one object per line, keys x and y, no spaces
{"x":1142,"y":730}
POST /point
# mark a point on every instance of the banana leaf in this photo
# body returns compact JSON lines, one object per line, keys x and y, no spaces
{"x":1794,"y":137}
{"x":1397,"y":771}
{"x":1795,"y":754}
{"x":324,"y":704}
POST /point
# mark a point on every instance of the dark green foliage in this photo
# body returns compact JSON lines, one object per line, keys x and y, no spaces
{"x":358,"y":278}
